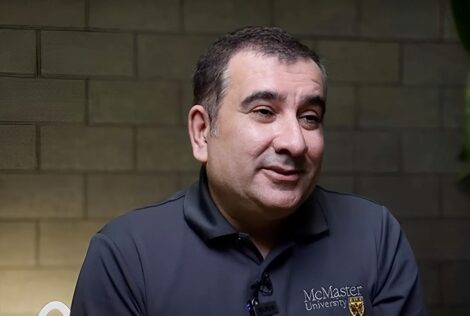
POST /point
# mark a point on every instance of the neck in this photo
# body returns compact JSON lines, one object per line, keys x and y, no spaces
{"x":264,"y":234}
{"x":265,"y":241}
{"x":247,"y":217}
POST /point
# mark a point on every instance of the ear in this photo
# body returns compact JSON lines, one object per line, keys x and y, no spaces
{"x":199,"y":129}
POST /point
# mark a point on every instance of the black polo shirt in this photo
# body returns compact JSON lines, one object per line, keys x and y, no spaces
{"x":339,"y":255}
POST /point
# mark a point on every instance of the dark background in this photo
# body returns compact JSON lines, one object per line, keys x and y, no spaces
{"x":93,"y":103}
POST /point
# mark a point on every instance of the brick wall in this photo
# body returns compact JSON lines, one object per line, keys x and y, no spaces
{"x":93,"y":102}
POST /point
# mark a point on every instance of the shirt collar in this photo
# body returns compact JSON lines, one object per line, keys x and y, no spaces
{"x":309,"y":220}
{"x":203,"y":216}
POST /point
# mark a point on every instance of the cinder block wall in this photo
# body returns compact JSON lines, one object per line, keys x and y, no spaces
{"x":93,"y":102}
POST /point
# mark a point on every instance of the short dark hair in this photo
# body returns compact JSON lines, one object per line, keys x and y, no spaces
{"x":208,"y":79}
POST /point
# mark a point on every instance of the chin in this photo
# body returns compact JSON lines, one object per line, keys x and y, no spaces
{"x":279,"y":201}
{"x":281,"y":207}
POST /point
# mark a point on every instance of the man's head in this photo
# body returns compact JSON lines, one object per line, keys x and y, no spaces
{"x":210,"y":81}
{"x":265,"y":156}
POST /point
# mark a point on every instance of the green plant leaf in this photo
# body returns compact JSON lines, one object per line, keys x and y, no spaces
{"x":461,"y":12}
{"x":466,"y":128}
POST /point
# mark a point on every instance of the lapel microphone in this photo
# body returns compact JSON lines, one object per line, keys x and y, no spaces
{"x":265,"y":287}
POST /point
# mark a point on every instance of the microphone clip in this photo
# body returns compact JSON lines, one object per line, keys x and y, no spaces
{"x":265,"y":287}
{"x":256,"y":308}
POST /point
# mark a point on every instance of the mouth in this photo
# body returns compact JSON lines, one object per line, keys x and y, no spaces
{"x":283,"y":174}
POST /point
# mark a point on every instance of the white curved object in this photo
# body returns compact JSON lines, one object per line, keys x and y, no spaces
{"x":54,"y":305}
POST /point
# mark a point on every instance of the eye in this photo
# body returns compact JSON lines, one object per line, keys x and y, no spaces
{"x":264,"y":114}
{"x":310,"y":120}
{"x":264,"y":111}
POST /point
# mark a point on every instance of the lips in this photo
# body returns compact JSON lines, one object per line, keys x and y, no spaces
{"x":283,"y":170}
{"x":283,"y":174}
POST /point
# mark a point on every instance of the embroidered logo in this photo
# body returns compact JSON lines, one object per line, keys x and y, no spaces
{"x":356,"y":305}
{"x":331,"y":297}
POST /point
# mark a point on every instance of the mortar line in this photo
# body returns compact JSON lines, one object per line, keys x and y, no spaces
{"x":38,"y":53}
{"x":87,"y":14}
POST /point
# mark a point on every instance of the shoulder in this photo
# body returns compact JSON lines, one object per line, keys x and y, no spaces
{"x":354,"y":211}
{"x":348,"y":204}
{"x":346,"y":201}
{"x":140,"y":238}
{"x":149,"y":220}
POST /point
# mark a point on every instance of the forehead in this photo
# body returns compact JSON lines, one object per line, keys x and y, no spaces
{"x":249,"y":70}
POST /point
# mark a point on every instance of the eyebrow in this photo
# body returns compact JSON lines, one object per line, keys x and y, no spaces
{"x":262,"y":95}
{"x":315,"y":100}
{"x":267,"y":95}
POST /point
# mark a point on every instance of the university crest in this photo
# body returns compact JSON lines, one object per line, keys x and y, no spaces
{"x":356,"y":305}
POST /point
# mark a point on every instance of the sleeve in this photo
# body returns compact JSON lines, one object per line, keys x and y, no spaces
{"x":106,"y":285}
{"x":398,"y":291}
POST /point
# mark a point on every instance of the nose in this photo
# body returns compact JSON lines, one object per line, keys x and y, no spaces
{"x":290,"y":138}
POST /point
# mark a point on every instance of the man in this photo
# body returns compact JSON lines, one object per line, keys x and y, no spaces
{"x":255,"y":235}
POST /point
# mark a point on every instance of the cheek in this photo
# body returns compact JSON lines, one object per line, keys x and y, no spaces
{"x":253,"y":140}
{"x":316,"y":148}
{"x":218,"y":150}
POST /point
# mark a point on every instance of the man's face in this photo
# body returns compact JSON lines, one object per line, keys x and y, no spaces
{"x":264,"y":156}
